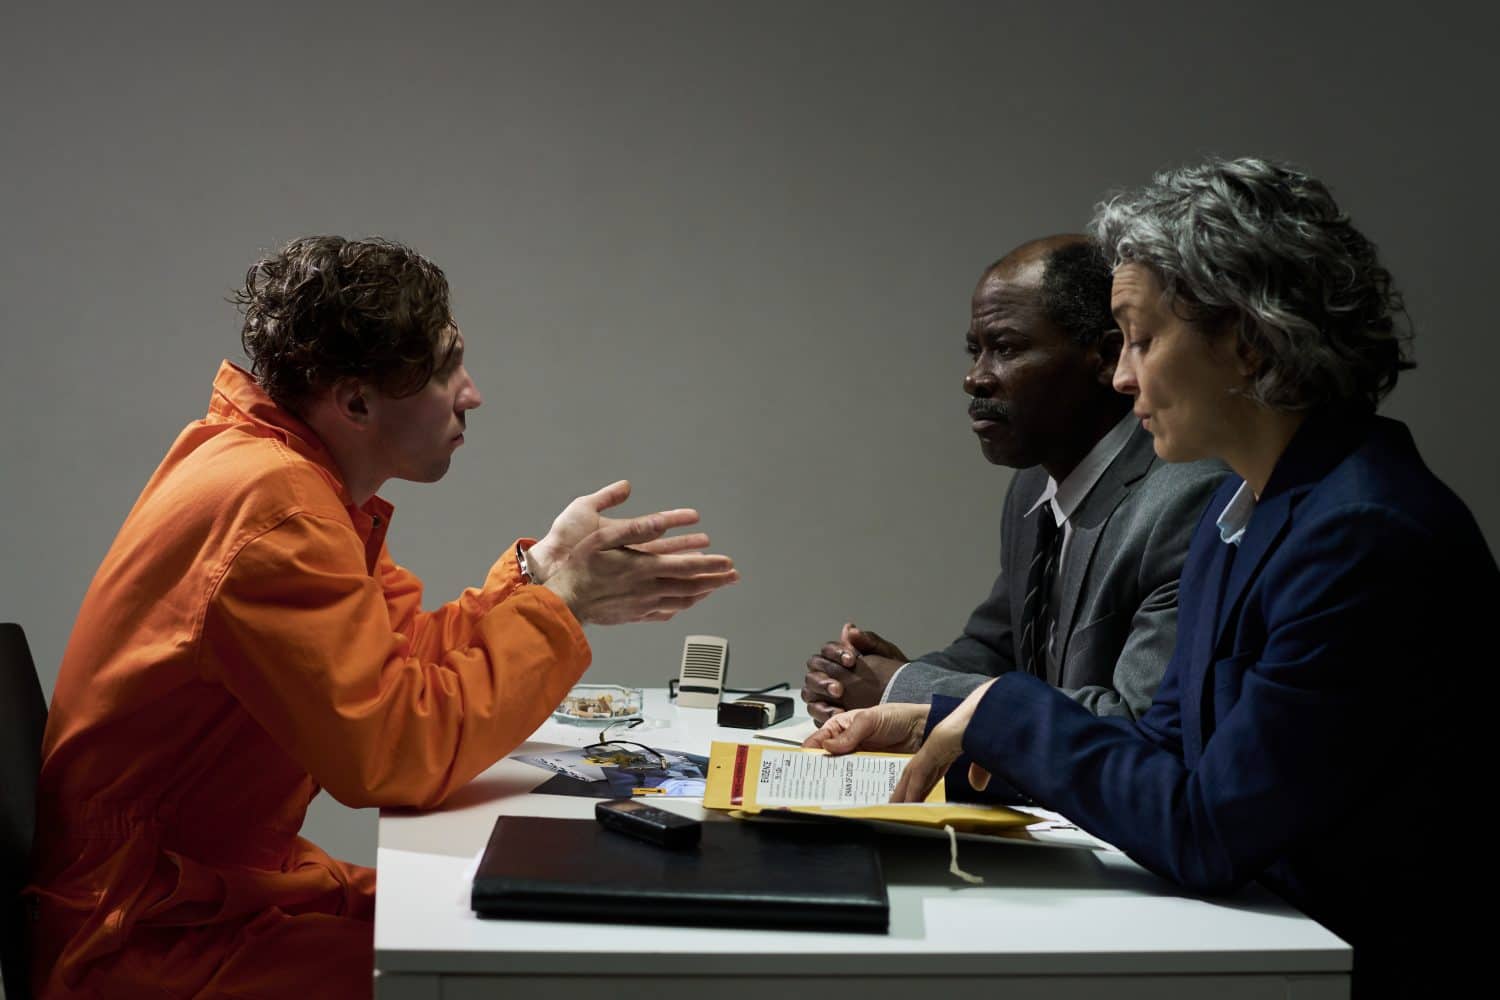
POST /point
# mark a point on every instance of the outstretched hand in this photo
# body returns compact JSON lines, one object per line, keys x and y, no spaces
{"x":611,"y":571}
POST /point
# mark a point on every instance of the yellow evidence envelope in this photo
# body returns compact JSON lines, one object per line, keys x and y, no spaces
{"x":751,"y":779}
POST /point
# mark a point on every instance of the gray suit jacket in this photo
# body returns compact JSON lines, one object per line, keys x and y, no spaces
{"x":1118,"y":619}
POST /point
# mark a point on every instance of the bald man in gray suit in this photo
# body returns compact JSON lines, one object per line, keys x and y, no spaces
{"x":1094,"y":529}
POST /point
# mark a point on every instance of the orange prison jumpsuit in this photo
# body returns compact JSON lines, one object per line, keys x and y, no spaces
{"x":247,"y":641}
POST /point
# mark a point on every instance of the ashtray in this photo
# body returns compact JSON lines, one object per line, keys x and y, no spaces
{"x":595,"y":703}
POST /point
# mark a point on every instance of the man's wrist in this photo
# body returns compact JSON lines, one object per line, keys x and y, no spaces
{"x":538,"y":559}
{"x":885,"y":692}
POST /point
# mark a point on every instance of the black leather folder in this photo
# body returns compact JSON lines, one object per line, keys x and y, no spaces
{"x":795,"y":877}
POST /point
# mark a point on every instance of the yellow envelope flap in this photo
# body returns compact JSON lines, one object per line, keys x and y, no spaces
{"x":962,"y":816}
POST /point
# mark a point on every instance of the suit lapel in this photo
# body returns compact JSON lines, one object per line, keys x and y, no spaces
{"x":1207,"y":603}
{"x":1267,"y":526}
{"x":1088,"y":522}
{"x":1081,"y":547}
{"x":1321,"y":443}
{"x":1318,"y":446}
{"x":1019,"y":542}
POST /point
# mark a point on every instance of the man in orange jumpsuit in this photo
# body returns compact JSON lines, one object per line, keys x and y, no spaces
{"x":248,"y":640}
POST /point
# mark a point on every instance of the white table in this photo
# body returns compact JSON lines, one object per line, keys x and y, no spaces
{"x":1046,"y":922}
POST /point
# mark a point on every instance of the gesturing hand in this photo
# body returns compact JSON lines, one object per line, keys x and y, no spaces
{"x":611,"y":571}
{"x":583,"y":516}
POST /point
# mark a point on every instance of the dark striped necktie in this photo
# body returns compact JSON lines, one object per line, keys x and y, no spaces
{"x":1035,"y":613}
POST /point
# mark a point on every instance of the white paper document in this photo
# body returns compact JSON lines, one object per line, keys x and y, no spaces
{"x":789,"y":778}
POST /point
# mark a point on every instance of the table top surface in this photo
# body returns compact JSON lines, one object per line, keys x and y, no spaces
{"x":1040,"y":909}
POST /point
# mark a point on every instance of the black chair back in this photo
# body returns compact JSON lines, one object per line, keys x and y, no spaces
{"x":23,"y":716}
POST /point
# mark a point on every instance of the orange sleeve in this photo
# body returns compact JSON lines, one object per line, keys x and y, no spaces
{"x":301,"y":634}
{"x":430,"y":633}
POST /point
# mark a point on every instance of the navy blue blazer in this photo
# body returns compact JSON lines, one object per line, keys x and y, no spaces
{"x":1309,"y":711}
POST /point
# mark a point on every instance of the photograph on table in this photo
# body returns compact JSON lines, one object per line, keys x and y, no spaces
{"x":619,"y":768}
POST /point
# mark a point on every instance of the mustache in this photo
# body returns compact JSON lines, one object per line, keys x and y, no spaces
{"x":988,"y":409}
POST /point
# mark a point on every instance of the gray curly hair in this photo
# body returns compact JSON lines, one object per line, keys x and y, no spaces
{"x":1264,"y":248}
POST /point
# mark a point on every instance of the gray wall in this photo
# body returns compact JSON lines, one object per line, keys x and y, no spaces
{"x":726,"y":253}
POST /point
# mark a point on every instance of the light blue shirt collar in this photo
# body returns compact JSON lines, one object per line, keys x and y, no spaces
{"x":1235,"y":517}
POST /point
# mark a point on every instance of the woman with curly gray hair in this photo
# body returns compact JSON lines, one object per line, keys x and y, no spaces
{"x":1324,"y":583}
